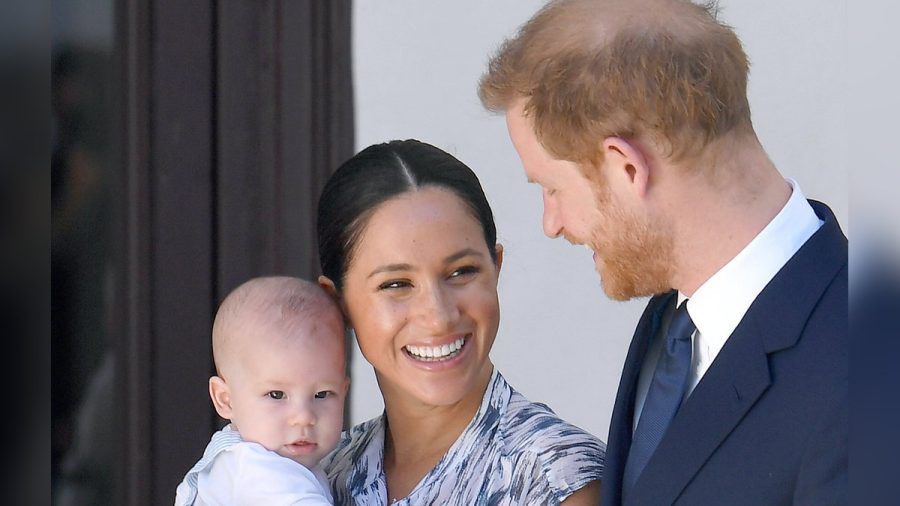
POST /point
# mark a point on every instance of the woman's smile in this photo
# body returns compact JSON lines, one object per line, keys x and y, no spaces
{"x":438,"y":357}
{"x":436,"y":353}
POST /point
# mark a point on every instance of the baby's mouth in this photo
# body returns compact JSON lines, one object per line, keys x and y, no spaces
{"x":301,"y":446}
{"x":437,"y":353}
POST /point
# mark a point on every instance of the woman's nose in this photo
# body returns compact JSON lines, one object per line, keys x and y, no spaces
{"x":437,"y":309}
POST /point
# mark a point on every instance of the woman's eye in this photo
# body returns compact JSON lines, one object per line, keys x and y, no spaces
{"x":276,"y":394}
{"x":323,"y":394}
{"x":394,"y":285}
{"x":464,"y":271}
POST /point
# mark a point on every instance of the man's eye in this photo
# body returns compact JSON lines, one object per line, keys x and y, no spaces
{"x":323,"y":394}
{"x":276,"y":394}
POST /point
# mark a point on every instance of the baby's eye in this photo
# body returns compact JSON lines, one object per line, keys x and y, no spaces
{"x":323,"y":394}
{"x":276,"y":394}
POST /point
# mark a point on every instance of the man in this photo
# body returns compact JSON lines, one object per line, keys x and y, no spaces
{"x":633,"y":117}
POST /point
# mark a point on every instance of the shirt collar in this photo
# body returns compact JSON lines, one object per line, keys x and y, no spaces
{"x":481,"y":429}
{"x":719,"y":305}
{"x":370,"y":463}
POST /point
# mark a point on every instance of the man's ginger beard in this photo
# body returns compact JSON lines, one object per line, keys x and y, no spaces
{"x":634,"y":252}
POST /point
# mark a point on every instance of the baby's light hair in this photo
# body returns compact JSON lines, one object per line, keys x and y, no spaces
{"x":280,"y":302}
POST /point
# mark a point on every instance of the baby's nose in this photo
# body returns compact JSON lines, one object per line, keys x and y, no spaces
{"x":303,"y":415}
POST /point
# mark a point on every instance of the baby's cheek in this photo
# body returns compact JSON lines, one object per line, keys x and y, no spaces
{"x":334,"y":431}
{"x":258,"y":429}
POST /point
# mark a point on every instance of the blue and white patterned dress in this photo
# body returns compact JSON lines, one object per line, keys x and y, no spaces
{"x":512,"y":452}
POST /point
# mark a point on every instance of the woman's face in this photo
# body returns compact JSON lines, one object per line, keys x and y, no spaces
{"x":421,"y":294}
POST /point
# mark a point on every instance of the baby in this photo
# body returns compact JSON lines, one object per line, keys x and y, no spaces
{"x":278,"y":345}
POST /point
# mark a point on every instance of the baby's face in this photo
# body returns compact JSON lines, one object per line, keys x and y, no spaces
{"x":287,"y":393}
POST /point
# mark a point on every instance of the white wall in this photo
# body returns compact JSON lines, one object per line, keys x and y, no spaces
{"x":561,"y":341}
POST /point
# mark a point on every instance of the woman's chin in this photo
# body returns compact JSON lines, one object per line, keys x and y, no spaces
{"x":449,"y":393}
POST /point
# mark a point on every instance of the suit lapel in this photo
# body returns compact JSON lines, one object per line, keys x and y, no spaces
{"x":737,"y":378}
{"x":740,"y":373}
{"x":620,"y":427}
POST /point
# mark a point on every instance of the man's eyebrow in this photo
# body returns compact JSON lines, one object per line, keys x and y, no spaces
{"x":390,"y":268}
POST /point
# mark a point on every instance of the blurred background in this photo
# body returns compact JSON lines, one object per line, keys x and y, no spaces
{"x":190,"y":140}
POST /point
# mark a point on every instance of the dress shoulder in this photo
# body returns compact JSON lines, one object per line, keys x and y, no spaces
{"x":567,"y":456}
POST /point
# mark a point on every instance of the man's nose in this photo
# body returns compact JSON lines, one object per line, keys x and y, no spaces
{"x":551,"y":221}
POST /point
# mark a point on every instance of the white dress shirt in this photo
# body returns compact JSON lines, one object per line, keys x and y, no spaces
{"x":719,"y":305}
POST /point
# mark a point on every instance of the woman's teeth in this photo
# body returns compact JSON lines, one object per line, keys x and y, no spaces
{"x":433,"y":353}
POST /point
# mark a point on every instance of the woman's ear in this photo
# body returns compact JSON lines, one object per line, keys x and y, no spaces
{"x":498,"y":251}
{"x":328,"y":285}
{"x":221,"y":397}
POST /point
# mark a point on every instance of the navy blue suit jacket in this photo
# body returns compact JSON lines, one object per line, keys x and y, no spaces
{"x":767,"y":424}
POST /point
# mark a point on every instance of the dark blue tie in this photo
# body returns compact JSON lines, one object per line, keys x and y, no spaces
{"x":664,"y":396}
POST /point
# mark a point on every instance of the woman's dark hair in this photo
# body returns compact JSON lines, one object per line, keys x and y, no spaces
{"x":380,"y":173}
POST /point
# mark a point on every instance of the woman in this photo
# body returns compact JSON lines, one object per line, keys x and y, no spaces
{"x":407,"y":244}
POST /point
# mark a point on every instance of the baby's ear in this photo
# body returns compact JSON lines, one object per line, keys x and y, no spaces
{"x":221,"y":397}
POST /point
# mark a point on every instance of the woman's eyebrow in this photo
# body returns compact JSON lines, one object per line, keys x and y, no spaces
{"x":390,"y":268}
{"x":407,"y":267}
{"x":463,"y":253}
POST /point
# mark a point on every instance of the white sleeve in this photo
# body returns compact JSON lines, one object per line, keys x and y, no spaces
{"x":248,"y":474}
{"x":182,"y":493}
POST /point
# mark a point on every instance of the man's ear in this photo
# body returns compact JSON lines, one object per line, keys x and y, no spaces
{"x":624,"y":163}
{"x":221,"y":397}
{"x":498,"y":251}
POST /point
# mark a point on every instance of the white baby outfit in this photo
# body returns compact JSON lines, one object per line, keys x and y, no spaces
{"x":237,"y":472}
